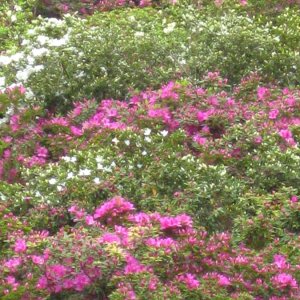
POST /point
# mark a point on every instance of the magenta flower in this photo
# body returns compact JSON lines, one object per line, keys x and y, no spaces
{"x":190,"y":280}
{"x":273,"y":114}
{"x":202,"y":116}
{"x":223,"y":280}
{"x":20,"y":246}
{"x":115,"y":207}
{"x":284,"y":280}
{"x":294,"y":199}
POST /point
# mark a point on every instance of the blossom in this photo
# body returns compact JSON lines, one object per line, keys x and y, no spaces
{"x":147,"y":131}
{"x":273,"y":114}
{"x":202,"y":116}
{"x":190,"y":281}
{"x":294,"y":198}
{"x":20,"y":246}
{"x":39,"y":260}
{"x":84,"y":172}
{"x":52,"y":181}
{"x":114,"y":207}
{"x":284,"y":280}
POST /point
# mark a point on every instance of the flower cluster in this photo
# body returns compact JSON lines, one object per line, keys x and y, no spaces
{"x":128,"y":259}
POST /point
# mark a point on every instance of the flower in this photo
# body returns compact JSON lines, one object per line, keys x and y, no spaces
{"x":84,"y":172}
{"x":284,"y":280}
{"x":273,"y":114}
{"x":20,"y":246}
{"x":147,"y":131}
{"x":294,"y":199}
{"x":52,"y":181}
{"x":164,"y":133}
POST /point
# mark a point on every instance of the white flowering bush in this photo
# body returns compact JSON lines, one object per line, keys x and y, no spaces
{"x":109,"y":55}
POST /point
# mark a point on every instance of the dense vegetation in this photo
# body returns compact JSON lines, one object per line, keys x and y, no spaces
{"x":149,"y":150}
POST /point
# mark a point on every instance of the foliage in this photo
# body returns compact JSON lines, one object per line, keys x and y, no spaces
{"x":109,"y":55}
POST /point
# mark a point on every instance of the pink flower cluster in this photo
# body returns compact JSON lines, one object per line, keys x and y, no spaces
{"x":87,"y":258}
{"x":207,"y":116}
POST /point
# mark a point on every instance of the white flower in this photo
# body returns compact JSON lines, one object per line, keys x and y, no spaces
{"x":139,"y":165}
{"x":115,"y":141}
{"x":39,"y":52}
{"x":169,"y":28}
{"x":84,"y":172}
{"x":31,"y":31}
{"x":70,"y":175}
{"x":127,"y":142}
{"x":66,"y":158}
{"x":58,"y":42}
{"x":2,"y":82}
{"x":107,"y":169}
{"x":113,"y":164}
{"x":25,"y":42}
{"x":13,"y":18}
{"x":164,"y":133}
{"x":73,"y":159}
{"x":59,"y":188}
{"x":99,"y":159}
{"x":23,"y":75}
{"x":38,"y":68}
{"x":100,"y":166}
{"x":97,"y":180}
{"x":52,"y":181}
{"x":5,"y":60}
{"x":31,"y":60}
{"x":131,"y":18}
{"x":139,"y":34}
{"x":42,"y":39}
{"x":18,"y":8}
{"x":148,"y":139}
{"x":29,"y":94}
{"x":144,"y":152}
{"x":147,"y":131}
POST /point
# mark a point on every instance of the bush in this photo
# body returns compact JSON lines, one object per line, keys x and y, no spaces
{"x":109,"y":55}
{"x":118,"y":253}
{"x":178,"y":149}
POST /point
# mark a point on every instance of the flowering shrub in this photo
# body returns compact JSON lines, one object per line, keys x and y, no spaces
{"x":118,"y":253}
{"x":108,"y":55}
{"x":180,"y":149}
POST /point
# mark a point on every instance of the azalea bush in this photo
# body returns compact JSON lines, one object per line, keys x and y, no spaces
{"x":109,"y":55}
{"x":116,"y":252}
{"x":180,"y":149}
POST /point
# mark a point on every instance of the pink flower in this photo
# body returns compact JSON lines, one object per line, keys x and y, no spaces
{"x":115,"y":207}
{"x":199,"y":139}
{"x":280,"y":262}
{"x":57,"y":271}
{"x":38,"y":260}
{"x":223,"y":280}
{"x":76,"y":131}
{"x":20,"y":246}
{"x":202,"y":116}
{"x":89,"y":220}
{"x":12,"y":264}
{"x":42,"y":283}
{"x":178,"y":222}
{"x":190,"y":280}
{"x":294,"y":199}
{"x":81,"y":281}
{"x":273,"y":114}
{"x":262,"y":93}
{"x":284,"y":280}
{"x":287,"y":136}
